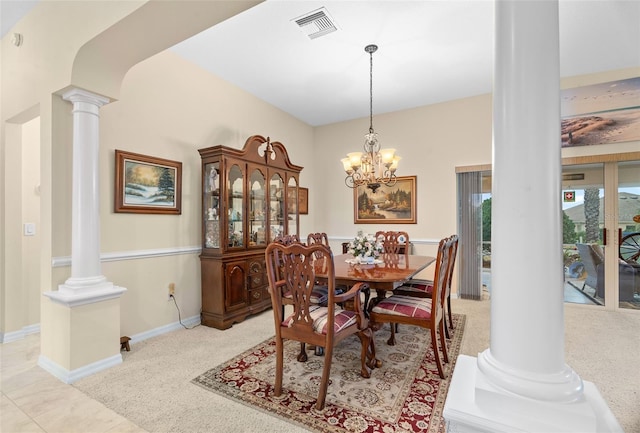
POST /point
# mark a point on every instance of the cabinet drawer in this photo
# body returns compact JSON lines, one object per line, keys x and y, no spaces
{"x":256,"y":281}
{"x":256,"y":295}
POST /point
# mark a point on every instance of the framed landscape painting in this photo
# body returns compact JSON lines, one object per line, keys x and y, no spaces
{"x":145,"y":184}
{"x":388,"y":204}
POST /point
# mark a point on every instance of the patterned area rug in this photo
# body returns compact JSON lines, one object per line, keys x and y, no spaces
{"x":404,"y":395}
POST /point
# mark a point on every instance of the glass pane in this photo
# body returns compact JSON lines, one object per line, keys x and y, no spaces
{"x":211,"y":208}
{"x":276,"y":206}
{"x":292,"y":207}
{"x":235,"y":216}
{"x":485,"y":214}
{"x":582,"y":224}
{"x":629,"y":233}
{"x":257,"y":209}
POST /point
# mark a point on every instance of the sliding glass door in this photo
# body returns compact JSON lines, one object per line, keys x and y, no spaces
{"x":601,"y":232}
{"x":583,"y":235}
{"x":628,"y":234}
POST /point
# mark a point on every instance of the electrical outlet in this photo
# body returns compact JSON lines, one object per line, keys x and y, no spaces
{"x":172,"y":290}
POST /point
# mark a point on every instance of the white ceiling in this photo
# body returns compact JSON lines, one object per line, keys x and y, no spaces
{"x":429,"y":51}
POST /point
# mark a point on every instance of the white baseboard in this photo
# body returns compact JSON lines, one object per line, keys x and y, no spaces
{"x":68,"y":377}
{"x":188,"y":322}
{"x":8,"y":337}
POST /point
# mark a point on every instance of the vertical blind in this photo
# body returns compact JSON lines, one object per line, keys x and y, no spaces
{"x":470,"y":232}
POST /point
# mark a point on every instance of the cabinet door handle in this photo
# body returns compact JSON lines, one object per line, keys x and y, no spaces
{"x":604,"y":236}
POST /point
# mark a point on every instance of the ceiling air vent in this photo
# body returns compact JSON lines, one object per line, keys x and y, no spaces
{"x":315,"y":24}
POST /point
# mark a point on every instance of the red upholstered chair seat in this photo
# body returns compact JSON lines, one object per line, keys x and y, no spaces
{"x":416,"y":286}
{"x":320,"y":315}
{"x":408,"y":306}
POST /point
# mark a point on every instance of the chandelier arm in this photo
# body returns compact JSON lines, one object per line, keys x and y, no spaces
{"x":349,"y":182}
{"x":392,"y":181}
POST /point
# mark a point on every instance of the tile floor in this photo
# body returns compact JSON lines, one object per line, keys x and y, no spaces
{"x":34,"y":401}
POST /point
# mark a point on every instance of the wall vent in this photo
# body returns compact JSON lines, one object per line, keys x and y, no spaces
{"x":315,"y":24}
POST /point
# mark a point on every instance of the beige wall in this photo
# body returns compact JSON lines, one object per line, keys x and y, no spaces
{"x":31,"y":214}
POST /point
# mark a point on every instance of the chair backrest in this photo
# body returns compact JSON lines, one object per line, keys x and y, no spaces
{"x":452,"y":262}
{"x":394,"y":242}
{"x":287,"y":239}
{"x":318,"y":238}
{"x":441,"y":277}
{"x":290,"y":269}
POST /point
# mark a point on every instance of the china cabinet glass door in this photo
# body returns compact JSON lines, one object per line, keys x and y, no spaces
{"x":276,"y":207}
{"x":257,"y":209}
{"x":211,"y":208}
{"x":235,"y":212}
{"x":292,"y":207}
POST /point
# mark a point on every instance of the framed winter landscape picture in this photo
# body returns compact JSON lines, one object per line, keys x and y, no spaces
{"x":145,"y":184}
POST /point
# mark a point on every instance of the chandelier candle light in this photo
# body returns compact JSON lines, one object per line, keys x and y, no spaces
{"x":373,"y":167}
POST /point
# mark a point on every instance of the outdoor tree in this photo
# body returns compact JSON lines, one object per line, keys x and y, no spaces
{"x":592,"y":214}
{"x":569,"y":235}
{"x":486,"y":221}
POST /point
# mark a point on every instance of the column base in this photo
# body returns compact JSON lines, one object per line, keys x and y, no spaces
{"x":76,"y":292}
{"x":474,"y":405}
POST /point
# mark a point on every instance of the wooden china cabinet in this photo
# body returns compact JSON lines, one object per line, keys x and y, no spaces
{"x":249,"y":197}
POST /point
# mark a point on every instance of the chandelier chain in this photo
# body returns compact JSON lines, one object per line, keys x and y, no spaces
{"x":371,"y":91}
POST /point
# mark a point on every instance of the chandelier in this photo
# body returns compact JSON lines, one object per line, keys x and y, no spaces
{"x":373,"y":167}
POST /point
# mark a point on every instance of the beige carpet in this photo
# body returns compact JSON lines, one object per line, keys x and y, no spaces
{"x":152,"y":386}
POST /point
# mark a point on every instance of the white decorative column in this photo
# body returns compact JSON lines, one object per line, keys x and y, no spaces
{"x":521,"y":383}
{"x":80,"y":328}
{"x":86,"y":284}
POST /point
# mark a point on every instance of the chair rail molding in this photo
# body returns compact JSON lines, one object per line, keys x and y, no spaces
{"x":59,"y":262}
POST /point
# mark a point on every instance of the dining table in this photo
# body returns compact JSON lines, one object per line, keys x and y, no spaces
{"x":386,"y":273}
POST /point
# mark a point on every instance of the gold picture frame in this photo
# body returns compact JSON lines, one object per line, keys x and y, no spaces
{"x":388,"y":204}
{"x":146,"y":184}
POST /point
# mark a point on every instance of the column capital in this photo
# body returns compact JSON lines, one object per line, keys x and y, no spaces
{"x":80,"y":95}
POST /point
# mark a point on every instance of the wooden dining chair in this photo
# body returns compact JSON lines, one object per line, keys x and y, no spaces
{"x":291,"y":269}
{"x":396,"y":245}
{"x":421,"y":311}
{"x":394,"y":242}
{"x":424,"y":288}
{"x":320,"y":292}
{"x":286,"y":240}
